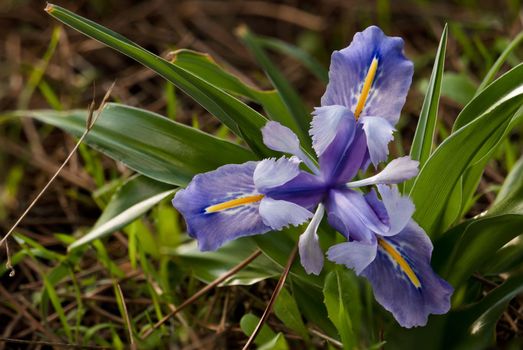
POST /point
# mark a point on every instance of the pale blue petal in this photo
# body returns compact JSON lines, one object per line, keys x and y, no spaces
{"x":311,"y":255}
{"x":280,"y":138}
{"x":399,"y":208}
{"x":278,"y":214}
{"x":355,"y":255}
{"x":397,"y":171}
{"x":378,"y":133}
{"x":226,"y":183}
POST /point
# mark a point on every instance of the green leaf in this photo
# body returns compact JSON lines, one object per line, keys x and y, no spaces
{"x":232,"y":112}
{"x":450,"y":160}
{"x":341,"y":297}
{"x":510,"y":196}
{"x":423,"y":138}
{"x":249,"y":322}
{"x":489,"y":77}
{"x":459,"y":88}
{"x":480,"y":239}
{"x":297,"y":53}
{"x":131,"y":201}
{"x":291,"y":98}
{"x":207,"y":266}
{"x":148,"y":143}
{"x":288,"y":312}
{"x":204,"y":66}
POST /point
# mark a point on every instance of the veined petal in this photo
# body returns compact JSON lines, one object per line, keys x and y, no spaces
{"x":399,"y":208}
{"x":339,"y":143}
{"x":371,"y":76}
{"x":378,"y":133}
{"x":355,"y":255}
{"x":403,"y":280}
{"x":278,"y":214}
{"x":271,"y":173}
{"x":356,"y":216}
{"x":282,"y":139}
{"x":311,"y":255}
{"x":397,"y":171}
{"x":221,"y":205}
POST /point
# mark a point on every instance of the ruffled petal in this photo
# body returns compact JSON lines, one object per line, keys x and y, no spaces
{"x":221,"y":205}
{"x":403,"y":280}
{"x":278,"y":214}
{"x":339,"y":143}
{"x":355,"y":216}
{"x":378,"y":133}
{"x":354,"y":255}
{"x":311,"y":255}
{"x":374,"y":55}
{"x":397,"y":171}
{"x":399,"y":208}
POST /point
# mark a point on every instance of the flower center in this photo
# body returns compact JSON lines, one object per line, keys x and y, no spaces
{"x":366,"y":88}
{"x":401,"y":262}
{"x":233,"y":203}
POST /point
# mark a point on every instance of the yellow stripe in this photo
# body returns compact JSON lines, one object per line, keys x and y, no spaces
{"x":366,"y":87}
{"x":401,"y":262}
{"x":234,"y":203}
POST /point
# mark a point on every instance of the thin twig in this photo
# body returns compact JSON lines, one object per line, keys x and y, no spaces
{"x":91,"y":120}
{"x":9,"y":264}
{"x":53,"y":344}
{"x":204,"y":290}
{"x":126,"y":316}
{"x":274,"y":295}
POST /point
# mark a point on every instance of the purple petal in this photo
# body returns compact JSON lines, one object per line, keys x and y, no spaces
{"x":404,"y":282}
{"x":271,"y":173}
{"x":349,"y":68}
{"x":350,"y":213}
{"x":213,"y":229}
{"x":399,"y":208}
{"x":355,"y":255}
{"x":378,"y":133}
{"x":278,"y":214}
{"x":311,"y":255}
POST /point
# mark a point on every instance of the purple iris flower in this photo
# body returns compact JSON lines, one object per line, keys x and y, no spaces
{"x":382,"y":242}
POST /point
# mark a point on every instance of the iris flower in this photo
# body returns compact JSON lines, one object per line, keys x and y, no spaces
{"x":368,"y":84}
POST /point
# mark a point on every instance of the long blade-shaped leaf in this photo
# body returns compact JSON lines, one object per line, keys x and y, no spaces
{"x":290,"y":96}
{"x":423,"y":138}
{"x":447,"y":164}
{"x":131,"y":201}
{"x":232,"y":112}
{"x":149,"y":143}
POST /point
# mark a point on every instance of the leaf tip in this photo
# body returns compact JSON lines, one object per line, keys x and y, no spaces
{"x":49,"y":8}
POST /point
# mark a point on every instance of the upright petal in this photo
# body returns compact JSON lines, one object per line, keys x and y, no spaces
{"x":371,"y":76}
{"x":339,"y":143}
{"x":403,"y":280}
{"x":378,"y":133}
{"x":271,"y":173}
{"x":278,"y":214}
{"x":311,"y":255}
{"x":221,"y":205}
{"x":355,"y":255}
{"x":356,"y":216}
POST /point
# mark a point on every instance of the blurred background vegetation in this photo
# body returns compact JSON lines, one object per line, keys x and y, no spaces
{"x":43,"y":65}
